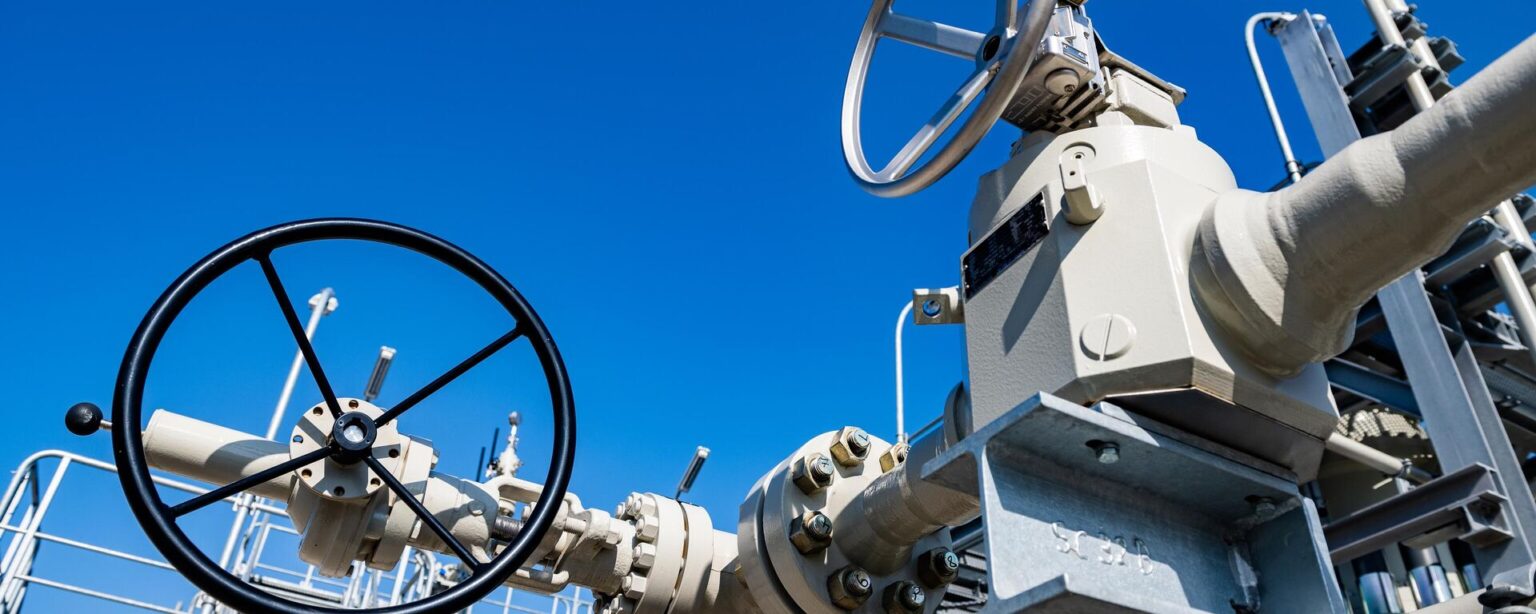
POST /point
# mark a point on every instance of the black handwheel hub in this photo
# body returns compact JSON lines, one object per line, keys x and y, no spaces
{"x":354,"y":433}
{"x":352,"y":437}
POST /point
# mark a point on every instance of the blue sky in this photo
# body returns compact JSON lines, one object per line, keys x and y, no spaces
{"x":662,"y":181}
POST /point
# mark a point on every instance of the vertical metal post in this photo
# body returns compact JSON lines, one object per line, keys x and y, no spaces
{"x":10,"y":584}
{"x":322,"y":304}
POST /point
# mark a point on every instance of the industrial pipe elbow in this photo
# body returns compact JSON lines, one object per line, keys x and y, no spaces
{"x":1284,"y":273}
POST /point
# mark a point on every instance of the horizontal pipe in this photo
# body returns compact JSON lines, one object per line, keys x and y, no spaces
{"x":1285,"y":272}
{"x":1376,"y":459}
{"x":210,"y":453}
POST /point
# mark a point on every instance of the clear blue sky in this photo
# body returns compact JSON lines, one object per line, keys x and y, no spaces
{"x":662,"y":181}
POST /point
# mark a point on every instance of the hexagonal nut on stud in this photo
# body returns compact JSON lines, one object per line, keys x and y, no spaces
{"x":850,"y":587}
{"x":938,"y":567}
{"x":893,"y":457}
{"x":851,"y":446}
{"x":647,"y":528}
{"x":813,"y":473}
{"x":634,"y":586}
{"x":645,"y":555}
{"x":904,"y":598}
{"x":811,"y":533}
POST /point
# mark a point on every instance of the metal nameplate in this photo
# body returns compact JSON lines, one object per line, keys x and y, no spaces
{"x":998,"y":250}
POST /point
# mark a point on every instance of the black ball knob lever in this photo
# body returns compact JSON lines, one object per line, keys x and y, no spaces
{"x":84,"y":419}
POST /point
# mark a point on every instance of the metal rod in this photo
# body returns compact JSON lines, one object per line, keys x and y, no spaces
{"x":1292,"y":165}
{"x":1376,"y":459}
{"x":98,"y":594}
{"x":901,"y":418}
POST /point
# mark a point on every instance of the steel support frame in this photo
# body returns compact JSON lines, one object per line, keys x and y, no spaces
{"x":1447,"y":384}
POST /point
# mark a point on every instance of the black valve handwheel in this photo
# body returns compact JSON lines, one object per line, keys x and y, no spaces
{"x":159,"y":519}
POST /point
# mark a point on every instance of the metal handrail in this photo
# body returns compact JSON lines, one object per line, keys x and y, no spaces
{"x":362,"y":590}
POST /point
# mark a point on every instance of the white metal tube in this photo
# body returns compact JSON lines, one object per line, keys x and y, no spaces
{"x":1292,"y":165}
{"x":322,"y":304}
{"x":901,"y":417}
{"x":1375,"y":459}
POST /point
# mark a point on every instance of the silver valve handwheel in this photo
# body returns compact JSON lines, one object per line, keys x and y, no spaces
{"x":996,"y":78}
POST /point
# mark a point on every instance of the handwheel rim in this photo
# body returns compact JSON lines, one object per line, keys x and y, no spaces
{"x":152,"y":512}
{"x":1028,"y":26}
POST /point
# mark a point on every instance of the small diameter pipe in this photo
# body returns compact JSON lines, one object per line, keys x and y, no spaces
{"x":901,"y":419}
{"x":1376,"y":459}
{"x":322,"y":306}
{"x":1292,"y":165}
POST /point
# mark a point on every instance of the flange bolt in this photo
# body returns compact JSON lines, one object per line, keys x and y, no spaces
{"x":904,"y":598}
{"x":813,"y":473}
{"x":812,"y":532}
{"x":850,"y":587}
{"x":938,"y":567}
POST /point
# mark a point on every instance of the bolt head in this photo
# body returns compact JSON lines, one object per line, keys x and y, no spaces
{"x":811,"y":533}
{"x":851,"y":446}
{"x":938,"y":567}
{"x":904,"y":598}
{"x":813,"y":473}
{"x":1108,"y":452}
{"x":850,"y":587}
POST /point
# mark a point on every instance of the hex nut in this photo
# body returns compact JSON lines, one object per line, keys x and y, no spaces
{"x":849,"y":587}
{"x":645,"y":555}
{"x":851,"y":446}
{"x":893,"y":457}
{"x":811,"y":533}
{"x":938,"y":567}
{"x":904,"y":598}
{"x":813,"y":473}
{"x":634,"y":586}
{"x":647,"y":528}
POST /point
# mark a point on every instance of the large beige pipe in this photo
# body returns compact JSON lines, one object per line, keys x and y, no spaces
{"x":210,"y":453}
{"x":1285,"y":272}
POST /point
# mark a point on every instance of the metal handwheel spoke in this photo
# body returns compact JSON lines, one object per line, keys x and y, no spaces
{"x":452,"y":374}
{"x":941,"y":121}
{"x":423,"y":513}
{"x":943,"y":38}
{"x":245,"y":483}
{"x":295,"y":327}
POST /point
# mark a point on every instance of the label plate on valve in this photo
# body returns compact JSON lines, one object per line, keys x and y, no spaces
{"x":1004,"y":245}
